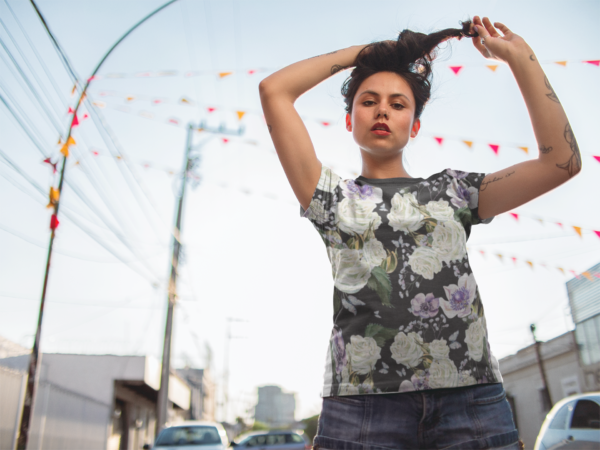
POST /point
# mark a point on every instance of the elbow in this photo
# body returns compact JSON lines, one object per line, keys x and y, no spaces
{"x":265,"y":88}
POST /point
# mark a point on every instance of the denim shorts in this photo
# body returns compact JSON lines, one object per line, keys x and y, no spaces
{"x":474,"y":417}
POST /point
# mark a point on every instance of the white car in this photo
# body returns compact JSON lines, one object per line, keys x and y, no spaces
{"x":573,"y":423}
{"x":192,"y":435}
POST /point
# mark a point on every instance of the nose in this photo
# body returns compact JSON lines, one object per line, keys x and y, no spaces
{"x":382,"y":112}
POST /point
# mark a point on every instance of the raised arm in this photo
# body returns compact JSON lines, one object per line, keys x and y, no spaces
{"x":278,"y":92}
{"x":559,"y":158}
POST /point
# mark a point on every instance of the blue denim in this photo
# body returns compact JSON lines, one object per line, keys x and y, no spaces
{"x":474,"y":417}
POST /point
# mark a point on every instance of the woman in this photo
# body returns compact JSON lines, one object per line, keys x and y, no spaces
{"x":409,"y":364}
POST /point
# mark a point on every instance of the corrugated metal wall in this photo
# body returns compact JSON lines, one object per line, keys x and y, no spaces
{"x":62,"y":420}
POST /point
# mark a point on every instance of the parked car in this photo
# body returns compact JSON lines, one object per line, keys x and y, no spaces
{"x":273,"y":440}
{"x":573,"y":423}
{"x":193,"y":435}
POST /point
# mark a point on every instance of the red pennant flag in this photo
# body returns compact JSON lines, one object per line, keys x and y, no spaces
{"x":48,"y":161}
{"x":75,"y":121}
{"x":482,"y":252}
{"x":90,"y":79}
{"x":439,"y":140}
{"x":514,"y":259}
{"x":575,"y":274}
{"x":595,"y":62}
{"x":210,"y":109}
{"x":95,"y":153}
{"x":559,"y":224}
{"x":156,"y":101}
{"x":597,"y":233}
{"x":173,"y":121}
{"x":597,"y":158}
{"x":456,"y":69}
{"x":494,"y":148}
{"x":251,"y":71}
{"x":325,"y":124}
{"x":515,"y":215}
{"x":85,"y":116}
{"x":225,"y":140}
{"x":54,"y":222}
{"x":70,"y":111}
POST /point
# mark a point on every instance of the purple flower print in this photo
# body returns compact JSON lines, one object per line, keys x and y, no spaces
{"x":339,"y":351}
{"x":459,"y":297}
{"x":462,"y":196}
{"x":458,"y":174}
{"x":421,"y":381}
{"x":354,"y":191}
{"x":425,"y":306}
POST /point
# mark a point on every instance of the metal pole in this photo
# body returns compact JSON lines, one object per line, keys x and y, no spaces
{"x":32,"y":373}
{"x":163,"y":393}
{"x":545,"y":390}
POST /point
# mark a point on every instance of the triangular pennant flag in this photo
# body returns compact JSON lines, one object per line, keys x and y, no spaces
{"x":59,"y":141}
{"x":92,"y":78}
{"x":251,"y":71}
{"x":156,"y":101}
{"x":595,"y":62}
{"x":70,"y":111}
{"x":456,"y":69}
{"x":597,"y":233}
{"x":85,"y":116}
{"x":525,"y":149}
{"x":492,"y":67}
{"x":575,"y":274}
{"x":499,"y":256}
{"x":597,"y":158}
{"x":53,"y":197}
{"x":577,"y":230}
{"x":561,"y":269}
{"x":65,"y":150}
{"x":561,"y":63}
{"x":173,"y":121}
{"x":75,"y":88}
{"x":48,"y":161}
{"x":439,"y":140}
{"x":482,"y":252}
{"x":494,"y":148}
{"x":54,"y":222}
{"x":514,"y":259}
{"x":95,"y":152}
{"x":597,"y":274}
{"x":559,"y":224}
{"x":587,"y":275}
{"x":325,"y":124}
{"x":119,"y":157}
{"x":210,"y":109}
{"x":240,"y":114}
{"x":99,"y":104}
{"x":184,"y":100}
{"x":224,"y":74}
{"x":515,"y":215}
{"x":75,"y":121}
{"x":71,"y":141}
{"x":469,"y":143}
{"x":530,"y":264}
{"x":130,"y":98}
{"x":225,"y":140}
{"x":540,"y":220}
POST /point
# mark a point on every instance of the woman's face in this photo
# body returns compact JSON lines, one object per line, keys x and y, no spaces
{"x":383,"y":115}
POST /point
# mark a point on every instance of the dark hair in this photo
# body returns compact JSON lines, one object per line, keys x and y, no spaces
{"x":410,"y":57}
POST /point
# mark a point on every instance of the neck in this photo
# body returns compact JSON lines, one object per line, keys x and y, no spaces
{"x":376,"y":167}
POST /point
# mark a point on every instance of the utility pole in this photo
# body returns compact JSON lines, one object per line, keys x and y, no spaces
{"x":163,"y":393}
{"x":545,"y":390}
{"x":228,"y":338}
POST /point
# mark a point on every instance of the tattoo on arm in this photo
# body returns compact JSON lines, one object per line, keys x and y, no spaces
{"x":573,"y":165}
{"x":552,"y":95}
{"x":485,"y":184}
{"x":545,"y":150}
{"x":324,"y":54}
{"x":531,"y":57}
{"x":270,"y":128}
{"x":336,"y":68}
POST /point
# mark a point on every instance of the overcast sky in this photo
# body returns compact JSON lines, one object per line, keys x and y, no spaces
{"x":247,"y":254}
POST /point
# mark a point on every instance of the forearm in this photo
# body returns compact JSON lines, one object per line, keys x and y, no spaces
{"x":296,"y":79}
{"x":557,"y":145}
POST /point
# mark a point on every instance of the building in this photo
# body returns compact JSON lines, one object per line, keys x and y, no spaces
{"x":103,"y":402}
{"x":9,"y":348}
{"x":203,"y":394}
{"x":584,"y":300}
{"x":523,"y":381}
{"x":275,"y":408}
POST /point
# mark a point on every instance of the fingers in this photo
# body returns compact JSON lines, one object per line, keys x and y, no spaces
{"x":490,"y":28}
{"x":505,"y":30}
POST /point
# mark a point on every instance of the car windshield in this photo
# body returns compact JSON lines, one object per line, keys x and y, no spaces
{"x":191,"y":435}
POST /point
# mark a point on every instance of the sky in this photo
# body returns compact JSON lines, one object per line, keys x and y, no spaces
{"x":252,"y":269}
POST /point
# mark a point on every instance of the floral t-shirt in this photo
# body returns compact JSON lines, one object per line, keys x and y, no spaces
{"x":407,"y":311}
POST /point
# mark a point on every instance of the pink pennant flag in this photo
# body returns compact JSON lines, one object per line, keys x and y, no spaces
{"x":156,"y":101}
{"x":54,"y":222}
{"x":514,"y":259}
{"x":70,"y":111}
{"x":494,"y":148}
{"x":225,"y":140}
{"x":48,"y":161}
{"x":594,"y":62}
{"x":325,"y":124}
{"x":90,"y":79}
{"x":597,"y":274}
{"x":75,"y":121}
{"x":559,"y":224}
{"x":575,"y":274}
{"x":597,"y":158}
{"x":482,"y":252}
{"x":210,"y":109}
{"x":439,"y":140}
{"x":251,"y":72}
{"x":456,"y":69}
{"x":173,"y":121}
{"x":515,"y":215}
{"x":146,"y":166}
{"x":597,"y":233}
{"x":85,"y":116}
{"x":95,"y":153}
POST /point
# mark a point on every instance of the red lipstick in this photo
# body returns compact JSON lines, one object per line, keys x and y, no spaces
{"x":381,"y":129}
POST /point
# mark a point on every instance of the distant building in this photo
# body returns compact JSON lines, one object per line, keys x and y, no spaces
{"x":203,"y":395}
{"x":584,"y":300}
{"x":9,"y":348}
{"x":275,"y":408}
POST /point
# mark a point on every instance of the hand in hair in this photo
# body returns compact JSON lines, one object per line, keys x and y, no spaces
{"x":497,"y":46}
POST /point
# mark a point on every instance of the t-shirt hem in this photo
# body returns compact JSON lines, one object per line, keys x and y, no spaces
{"x":328,"y":388}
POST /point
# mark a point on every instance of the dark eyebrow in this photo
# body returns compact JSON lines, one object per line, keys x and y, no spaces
{"x":392,"y":95}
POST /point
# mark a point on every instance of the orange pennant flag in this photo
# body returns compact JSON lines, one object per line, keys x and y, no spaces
{"x":492,"y":67}
{"x":65,"y":150}
{"x":587,"y":275}
{"x":525,"y":149}
{"x":577,"y":230}
{"x":530,"y":264}
{"x":71,"y":141}
{"x":469,"y":143}
{"x":561,"y":63}
{"x":224,"y":74}
{"x":240,"y":114}
{"x":74,"y":89}
{"x":59,"y":141}
{"x":561,"y":269}
{"x":99,"y":104}
{"x":499,"y":256}
{"x":184,"y":100}
{"x":130,"y":98}
{"x":53,"y":197}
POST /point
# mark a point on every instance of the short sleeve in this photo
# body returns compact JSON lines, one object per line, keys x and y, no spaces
{"x":324,"y":199}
